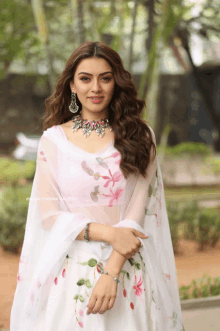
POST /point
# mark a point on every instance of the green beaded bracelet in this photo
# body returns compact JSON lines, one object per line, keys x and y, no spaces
{"x":106,"y":272}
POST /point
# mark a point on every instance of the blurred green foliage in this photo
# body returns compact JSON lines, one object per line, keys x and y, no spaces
{"x":13,"y":214}
{"x":12,"y":171}
{"x":214,"y":163}
{"x":190,"y":148}
{"x":199,"y":224}
{"x":201,"y":288}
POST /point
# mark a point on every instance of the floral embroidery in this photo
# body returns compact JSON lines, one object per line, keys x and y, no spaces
{"x":113,"y":178}
{"x":137,"y":287}
{"x":44,"y":158}
{"x":78,"y":297}
{"x":19,"y":278}
{"x":155,"y":190}
{"x":64,"y":270}
{"x":167,"y":276}
{"x":132,"y":305}
{"x":114,"y":196}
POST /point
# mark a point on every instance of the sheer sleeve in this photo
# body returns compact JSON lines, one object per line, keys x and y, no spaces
{"x":50,"y":231}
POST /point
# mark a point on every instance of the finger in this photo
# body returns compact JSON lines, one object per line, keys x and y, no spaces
{"x":91,"y":304}
{"x":104,"y":305}
{"x":111,"y":303}
{"x":97,"y":306}
{"x":140,"y":234}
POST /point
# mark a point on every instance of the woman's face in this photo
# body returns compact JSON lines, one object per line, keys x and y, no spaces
{"x":94,"y":85}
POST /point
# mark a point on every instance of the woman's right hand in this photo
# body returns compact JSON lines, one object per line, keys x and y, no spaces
{"x":125,"y":241}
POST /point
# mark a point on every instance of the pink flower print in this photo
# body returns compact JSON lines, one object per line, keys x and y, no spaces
{"x":167,"y":275}
{"x":137,"y":287}
{"x":80,"y":324}
{"x":19,"y":278}
{"x":80,"y":312}
{"x":115,"y":154}
{"x":56,"y":281}
{"x":114,"y":196}
{"x":44,"y":158}
{"x":124,"y":292}
{"x":115,"y":178}
{"x":132,"y":305}
{"x":118,"y":162}
{"x":64,"y":273}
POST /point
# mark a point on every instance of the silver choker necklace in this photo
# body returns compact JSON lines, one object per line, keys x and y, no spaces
{"x":88,"y":126}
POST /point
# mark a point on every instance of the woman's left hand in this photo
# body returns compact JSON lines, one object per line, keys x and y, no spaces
{"x":104,"y":294}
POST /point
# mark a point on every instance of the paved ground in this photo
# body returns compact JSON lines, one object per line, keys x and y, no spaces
{"x":202,"y":319}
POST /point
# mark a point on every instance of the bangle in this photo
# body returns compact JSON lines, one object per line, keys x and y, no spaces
{"x":86,"y":236}
{"x":106,"y":272}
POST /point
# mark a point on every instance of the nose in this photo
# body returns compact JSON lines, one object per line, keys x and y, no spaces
{"x":96,"y":86}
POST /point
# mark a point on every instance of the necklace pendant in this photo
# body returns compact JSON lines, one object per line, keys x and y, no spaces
{"x":88,"y":126}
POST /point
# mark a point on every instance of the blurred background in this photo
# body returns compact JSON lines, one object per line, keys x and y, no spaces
{"x":172,"y":49}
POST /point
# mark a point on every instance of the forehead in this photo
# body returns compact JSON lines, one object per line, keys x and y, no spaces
{"x":93,"y":66}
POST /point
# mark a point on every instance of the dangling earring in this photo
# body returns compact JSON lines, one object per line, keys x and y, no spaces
{"x":73,"y":106}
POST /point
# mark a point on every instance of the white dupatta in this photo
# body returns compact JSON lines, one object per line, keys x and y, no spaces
{"x":56,"y":215}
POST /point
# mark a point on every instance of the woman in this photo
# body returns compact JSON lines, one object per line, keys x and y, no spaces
{"x":97,"y":252}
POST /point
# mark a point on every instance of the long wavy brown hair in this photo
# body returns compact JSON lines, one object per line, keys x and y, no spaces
{"x":133,"y":138}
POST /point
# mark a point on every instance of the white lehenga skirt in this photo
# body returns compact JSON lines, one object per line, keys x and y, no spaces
{"x":134,"y":307}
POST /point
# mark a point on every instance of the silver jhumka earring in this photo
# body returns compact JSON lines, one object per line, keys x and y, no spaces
{"x":73,"y":106}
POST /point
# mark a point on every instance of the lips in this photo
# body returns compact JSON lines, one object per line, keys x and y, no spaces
{"x":96,"y":99}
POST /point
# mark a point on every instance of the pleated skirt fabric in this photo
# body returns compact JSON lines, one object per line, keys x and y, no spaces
{"x":134,"y":307}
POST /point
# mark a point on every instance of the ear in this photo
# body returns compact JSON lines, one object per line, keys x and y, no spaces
{"x":72,"y":87}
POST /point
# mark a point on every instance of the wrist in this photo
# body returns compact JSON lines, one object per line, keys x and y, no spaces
{"x":115,"y":263}
{"x":108,"y":234}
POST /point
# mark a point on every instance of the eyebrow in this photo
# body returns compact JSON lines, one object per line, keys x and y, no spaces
{"x":104,"y":73}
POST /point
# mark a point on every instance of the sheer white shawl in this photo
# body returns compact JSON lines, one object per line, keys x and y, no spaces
{"x":56,"y":217}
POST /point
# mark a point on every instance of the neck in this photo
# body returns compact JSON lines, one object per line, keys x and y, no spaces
{"x":96,"y":116}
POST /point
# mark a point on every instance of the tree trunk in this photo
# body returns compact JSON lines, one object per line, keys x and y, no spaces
{"x":40,"y":19}
{"x":134,"y":16}
{"x":81,"y":28}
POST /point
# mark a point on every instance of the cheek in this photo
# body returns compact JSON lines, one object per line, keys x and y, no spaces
{"x":110,"y":90}
{"x":81,"y":89}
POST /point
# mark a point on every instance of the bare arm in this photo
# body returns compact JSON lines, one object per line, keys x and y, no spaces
{"x":98,"y":232}
{"x":103,"y":232}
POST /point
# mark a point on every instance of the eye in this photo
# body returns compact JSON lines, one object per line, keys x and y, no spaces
{"x":84,"y":79}
{"x":107,"y":78}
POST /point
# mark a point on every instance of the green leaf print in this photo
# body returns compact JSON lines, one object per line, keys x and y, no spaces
{"x":128,"y":276}
{"x":76,"y":297}
{"x":81,"y":282}
{"x":123,"y":271}
{"x":88,"y":283}
{"x":81,"y":298}
{"x":92,"y":262}
{"x":148,"y":211}
{"x":150,"y":190}
{"x":174,"y":323}
{"x":174,"y":315}
{"x":137,"y":266}
{"x":83,"y":263}
{"x":131,"y":261}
